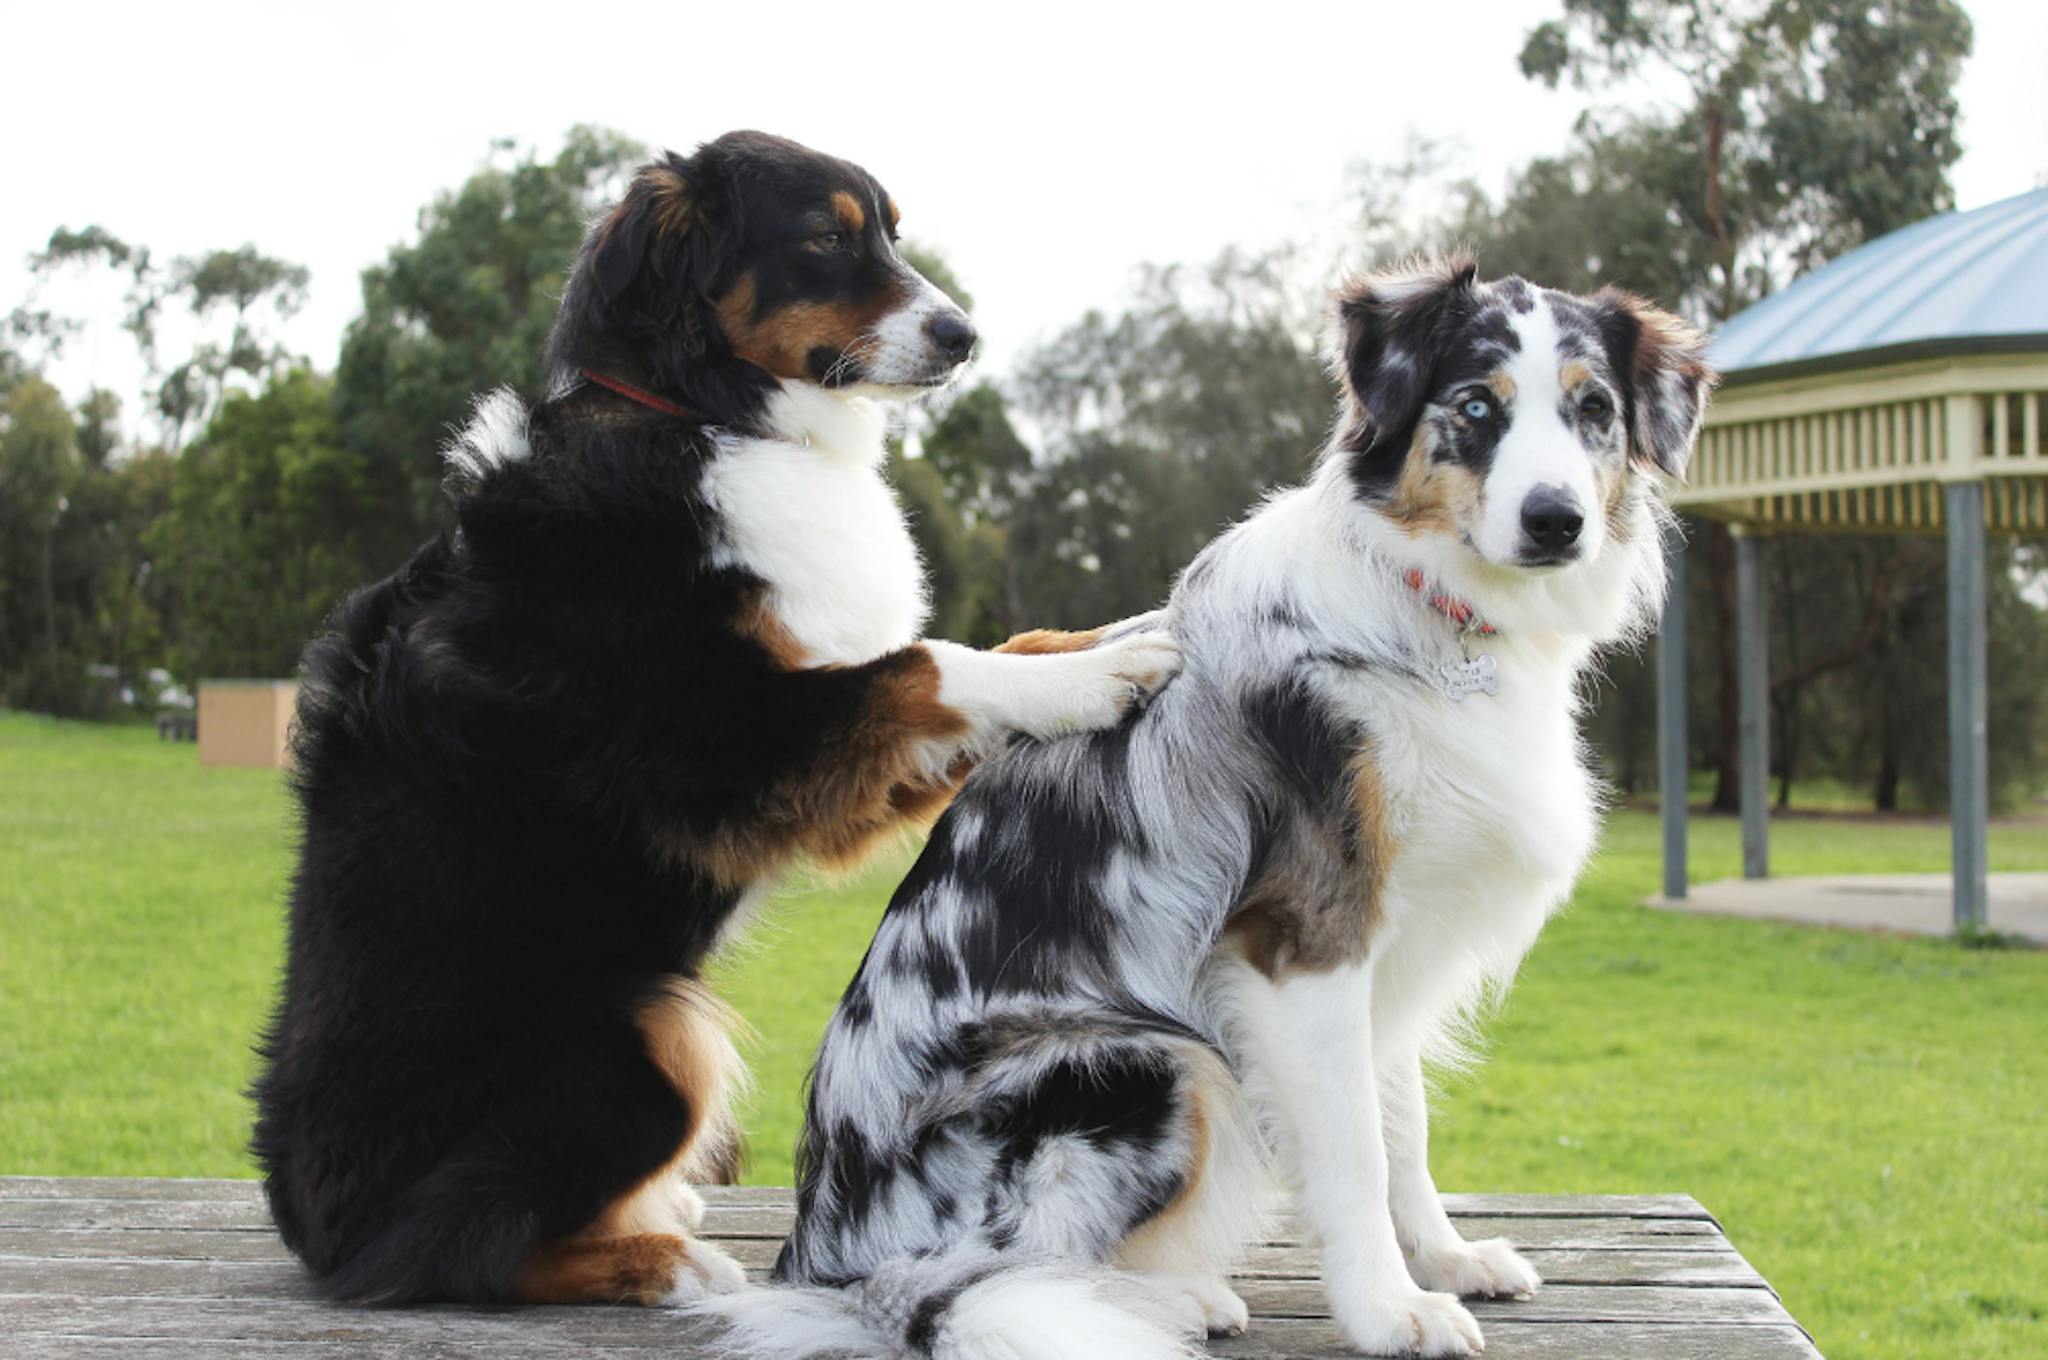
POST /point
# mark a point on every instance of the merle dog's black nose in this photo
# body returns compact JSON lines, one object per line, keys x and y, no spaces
{"x":1552,"y":518}
{"x":953,"y":334}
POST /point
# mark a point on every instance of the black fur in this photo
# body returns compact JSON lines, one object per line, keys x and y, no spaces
{"x":500,"y":750}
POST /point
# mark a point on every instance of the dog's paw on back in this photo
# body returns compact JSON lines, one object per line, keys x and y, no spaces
{"x":1410,"y":1323}
{"x":1096,"y":688}
{"x":1477,"y":1270}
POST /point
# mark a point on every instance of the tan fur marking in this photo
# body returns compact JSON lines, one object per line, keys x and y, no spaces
{"x":1432,"y":497}
{"x":847,"y":209}
{"x":674,"y":212}
{"x":1502,"y":386}
{"x":688,"y":1031}
{"x":895,"y":217}
{"x":1613,"y":486}
{"x":1044,"y":641}
{"x":1155,"y":1232}
{"x":849,"y":798}
{"x":1574,"y":374}
{"x":1320,"y":903}
{"x":758,"y":620}
{"x":781,"y":341}
{"x":639,"y":1269}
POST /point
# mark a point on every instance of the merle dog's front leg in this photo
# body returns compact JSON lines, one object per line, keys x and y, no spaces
{"x":1438,"y":1257}
{"x":1310,"y":1041}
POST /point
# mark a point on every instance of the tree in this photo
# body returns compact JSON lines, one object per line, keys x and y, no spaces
{"x":272,"y":519}
{"x":1806,"y":126}
{"x":462,"y":309}
{"x":38,"y":466}
{"x":1162,"y":426}
{"x":1803,"y":128}
{"x":252,"y":290}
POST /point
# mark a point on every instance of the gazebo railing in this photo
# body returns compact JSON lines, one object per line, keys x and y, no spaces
{"x":1874,"y":452}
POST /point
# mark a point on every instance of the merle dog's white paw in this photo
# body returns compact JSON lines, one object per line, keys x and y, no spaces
{"x":1223,"y":1312}
{"x":1209,"y":1304}
{"x":1410,"y":1322}
{"x":1477,"y":1270}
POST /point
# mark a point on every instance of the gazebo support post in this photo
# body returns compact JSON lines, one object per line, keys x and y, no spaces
{"x":1752,"y":664}
{"x":1968,"y":706}
{"x":1672,"y":765}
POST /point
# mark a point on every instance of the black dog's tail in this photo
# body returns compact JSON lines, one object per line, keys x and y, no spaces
{"x":966,"y":1304}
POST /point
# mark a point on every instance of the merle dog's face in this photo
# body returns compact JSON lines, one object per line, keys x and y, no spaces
{"x":1511,"y":417}
{"x":783,"y":257}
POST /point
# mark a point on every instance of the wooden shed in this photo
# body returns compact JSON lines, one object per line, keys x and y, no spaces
{"x":246,"y":722}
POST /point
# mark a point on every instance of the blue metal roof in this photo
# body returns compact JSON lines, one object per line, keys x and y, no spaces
{"x":1964,"y":280}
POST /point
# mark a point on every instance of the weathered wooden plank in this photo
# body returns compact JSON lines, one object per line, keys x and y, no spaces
{"x":142,"y":1244}
{"x":301,"y":1320}
{"x":742,"y":1220}
{"x":1288,"y":1339}
{"x":1555,"y":1303}
{"x":1722,"y":1266}
{"x":176,"y":1190}
{"x":118,"y":1214}
{"x":214,"y":1348}
{"x":190,"y":1268}
{"x":459,"y":1330}
{"x":1267,"y":1341}
{"x":277,"y":1276}
{"x":742,"y":1235}
{"x":1560,"y":1232}
{"x":127,"y":1187}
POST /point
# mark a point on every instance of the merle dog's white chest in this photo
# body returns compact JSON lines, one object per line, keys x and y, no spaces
{"x":1492,"y":809}
{"x":818,"y":523}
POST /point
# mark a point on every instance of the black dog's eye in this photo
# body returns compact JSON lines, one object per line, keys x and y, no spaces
{"x":833,"y":240}
{"x":1595,"y":404}
{"x":1477,"y":407}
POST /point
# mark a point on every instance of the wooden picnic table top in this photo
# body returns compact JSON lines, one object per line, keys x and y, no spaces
{"x":192,"y":1268}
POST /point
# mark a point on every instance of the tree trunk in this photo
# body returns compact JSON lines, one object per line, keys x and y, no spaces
{"x":49,"y":592}
{"x":1717,"y":218}
{"x":1727,"y":745}
{"x":1887,"y":799}
{"x":1785,"y":728}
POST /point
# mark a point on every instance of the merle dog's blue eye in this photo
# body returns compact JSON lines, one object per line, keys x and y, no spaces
{"x":1478,"y":408}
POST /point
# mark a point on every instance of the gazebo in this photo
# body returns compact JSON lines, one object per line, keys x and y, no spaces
{"x":1898,"y":389}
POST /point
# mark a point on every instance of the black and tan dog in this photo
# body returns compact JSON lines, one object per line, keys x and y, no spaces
{"x":552,"y":763}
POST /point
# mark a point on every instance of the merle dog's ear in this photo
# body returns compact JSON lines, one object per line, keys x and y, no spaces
{"x":1660,"y":362}
{"x":1388,"y":322}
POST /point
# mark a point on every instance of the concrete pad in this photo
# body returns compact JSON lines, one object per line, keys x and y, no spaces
{"x":1914,"y":904}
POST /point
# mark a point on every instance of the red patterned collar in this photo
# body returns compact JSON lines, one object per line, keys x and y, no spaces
{"x":1451,"y":607}
{"x":632,"y":393}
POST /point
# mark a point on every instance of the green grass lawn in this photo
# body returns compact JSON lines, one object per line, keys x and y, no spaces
{"x":1866,"y":1115}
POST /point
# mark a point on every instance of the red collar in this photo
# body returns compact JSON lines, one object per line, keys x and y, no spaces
{"x":632,"y":393}
{"x":1450,"y":606}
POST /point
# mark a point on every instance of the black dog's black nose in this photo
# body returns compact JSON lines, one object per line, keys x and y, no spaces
{"x":1552,"y":518}
{"x":953,"y":334}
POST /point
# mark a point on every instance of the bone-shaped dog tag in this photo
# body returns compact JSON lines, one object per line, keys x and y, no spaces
{"x":1473,"y":676}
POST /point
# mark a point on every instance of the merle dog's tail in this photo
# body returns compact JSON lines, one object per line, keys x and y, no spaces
{"x":968,"y":1304}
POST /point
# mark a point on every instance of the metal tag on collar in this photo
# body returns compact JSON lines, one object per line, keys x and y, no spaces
{"x":1473,"y":675}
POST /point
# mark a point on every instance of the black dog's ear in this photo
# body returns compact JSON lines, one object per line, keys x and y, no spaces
{"x":1660,"y":362}
{"x":1387,"y":325}
{"x":661,"y":202}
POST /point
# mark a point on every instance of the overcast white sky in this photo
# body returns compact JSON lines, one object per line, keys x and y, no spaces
{"x":1047,"y":149}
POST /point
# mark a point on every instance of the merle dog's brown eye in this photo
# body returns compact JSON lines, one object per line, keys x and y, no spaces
{"x":1595,"y":404}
